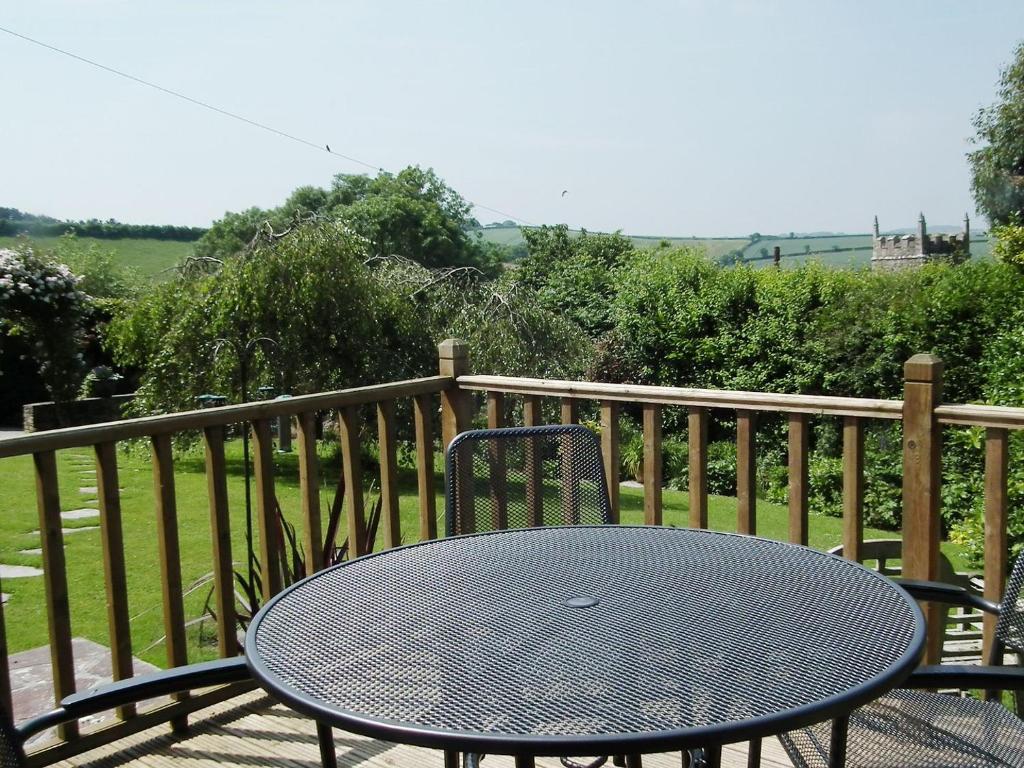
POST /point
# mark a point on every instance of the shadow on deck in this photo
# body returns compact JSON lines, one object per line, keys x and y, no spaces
{"x":253,"y":730}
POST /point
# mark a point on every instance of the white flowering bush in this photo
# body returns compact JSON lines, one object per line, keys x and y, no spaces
{"x":40,"y":301}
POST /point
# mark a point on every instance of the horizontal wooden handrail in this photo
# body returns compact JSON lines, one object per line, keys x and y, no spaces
{"x":980,"y":416}
{"x":701,"y":398}
{"x":148,"y":426}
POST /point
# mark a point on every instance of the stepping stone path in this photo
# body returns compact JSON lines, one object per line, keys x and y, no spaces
{"x":88,"y":490}
{"x":18,"y":571}
{"x":79,"y":514}
{"x":68,"y":531}
{"x":36,"y":551}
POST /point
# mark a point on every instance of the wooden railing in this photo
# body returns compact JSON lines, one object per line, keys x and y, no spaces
{"x":159,"y":430}
{"x":457,"y":392}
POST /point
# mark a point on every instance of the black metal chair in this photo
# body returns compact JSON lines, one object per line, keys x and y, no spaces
{"x":220,"y":672}
{"x":524,"y":477}
{"x":911,"y":727}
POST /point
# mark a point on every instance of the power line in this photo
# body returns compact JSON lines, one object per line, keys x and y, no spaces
{"x":233,"y":115}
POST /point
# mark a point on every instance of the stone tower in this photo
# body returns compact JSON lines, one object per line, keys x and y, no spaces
{"x":905,"y":251}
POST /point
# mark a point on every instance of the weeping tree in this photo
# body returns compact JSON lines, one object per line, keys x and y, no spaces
{"x":339,"y":316}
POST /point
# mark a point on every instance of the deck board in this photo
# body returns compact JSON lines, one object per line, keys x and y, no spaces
{"x":252,"y":731}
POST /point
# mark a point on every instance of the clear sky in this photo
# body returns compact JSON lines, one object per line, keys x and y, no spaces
{"x":707,"y":117}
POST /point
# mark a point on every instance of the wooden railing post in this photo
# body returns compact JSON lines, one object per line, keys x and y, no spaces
{"x":453,"y":361}
{"x":309,"y":490}
{"x":112,"y":544}
{"x":388,"y":473}
{"x":610,"y":449}
{"x":746,"y":473}
{"x":170,"y":560}
{"x":422,"y":407}
{"x":853,"y":487}
{"x":997,"y":445}
{"x":652,"y":464}
{"x":922,"y":445}
{"x":799,"y":445}
{"x":55,"y":584}
{"x":352,"y":471}
{"x":698,"y":466}
{"x":220,"y":536}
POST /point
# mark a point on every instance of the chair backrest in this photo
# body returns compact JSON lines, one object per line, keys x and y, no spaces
{"x":1010,"y":627}
{"x":523,"y":477}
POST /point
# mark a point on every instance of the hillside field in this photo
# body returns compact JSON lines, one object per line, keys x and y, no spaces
{"x":150,"y":257}
{"x":713,"y":246}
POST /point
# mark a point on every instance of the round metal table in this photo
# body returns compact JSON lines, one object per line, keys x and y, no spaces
{"x":585,"y":640}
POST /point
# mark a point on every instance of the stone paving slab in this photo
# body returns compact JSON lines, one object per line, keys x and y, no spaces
{"x":32,"y":683}
{"x":18,"y":571}
{"x":79,"y":514}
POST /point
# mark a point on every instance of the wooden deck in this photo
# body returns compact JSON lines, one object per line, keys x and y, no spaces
{"x":253,"y":730}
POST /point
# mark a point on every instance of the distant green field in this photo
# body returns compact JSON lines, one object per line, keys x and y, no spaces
{"x":150,"y":257}
{"x":713,"y":246}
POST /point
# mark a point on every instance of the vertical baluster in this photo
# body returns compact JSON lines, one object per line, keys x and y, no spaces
{"x":652,"y":464}
{"x":853,"y":487}
{"x":532,"y":464}
{"x":996,"y":461}
{"x":569,"y":484}
{"x":499,"y":465}
{"x":170,"y":559}
{"x":112,"y":539}
{"x":388,"y":473}
{"x":309,"y":490}
{"x":799,"y":434}
{"x":698,"y":467}
{"x":531,"y":411}
{"x":495,"y":410}
{"x":746,"y":473}
{"x":610,"y":449}
{"x":220,"y":534}
{"x":55,"y":582}
{"x":570,"y":410}
{"x":348,"y":419}
{"x":271,"y":544}
{"x":425,"y":466}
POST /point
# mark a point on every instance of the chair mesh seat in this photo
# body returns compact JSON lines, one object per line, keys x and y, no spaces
{"x":918,"y":729}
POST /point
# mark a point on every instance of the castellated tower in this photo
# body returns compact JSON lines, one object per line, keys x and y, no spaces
{"x":905,"y":251}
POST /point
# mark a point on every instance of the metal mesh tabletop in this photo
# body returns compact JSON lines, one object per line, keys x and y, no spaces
{"x":545,"y":640}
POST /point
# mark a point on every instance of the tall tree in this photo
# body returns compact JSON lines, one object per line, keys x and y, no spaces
{"x":997,"y":166}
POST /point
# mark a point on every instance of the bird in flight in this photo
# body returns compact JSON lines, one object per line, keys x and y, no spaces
{"x":565,"y":192}
{"x":328,"y":147}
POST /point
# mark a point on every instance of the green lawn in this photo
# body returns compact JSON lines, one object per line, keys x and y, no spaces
{"x":25,"y":614}
{"x":150,"y":257}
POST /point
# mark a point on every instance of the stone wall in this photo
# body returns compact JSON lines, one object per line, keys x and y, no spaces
{"x":92,"y":410}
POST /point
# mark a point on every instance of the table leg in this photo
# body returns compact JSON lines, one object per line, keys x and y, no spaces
{"x":713,"y":757}
{"x":837,"y":745}
{"x":524,"y":762}
{"x":451,"y":759}
{"x":325,"y":738}
{"x":754,"y":753}
{"x":619,"y":761}
{"x":634,"y":761}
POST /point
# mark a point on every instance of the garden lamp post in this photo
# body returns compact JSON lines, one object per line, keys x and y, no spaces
{"x":244,"y":353}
